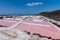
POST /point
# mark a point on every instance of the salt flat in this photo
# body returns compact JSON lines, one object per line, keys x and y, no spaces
{"x":43,"y":28}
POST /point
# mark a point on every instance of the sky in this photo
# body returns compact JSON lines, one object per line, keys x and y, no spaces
{"x":14,"y":7}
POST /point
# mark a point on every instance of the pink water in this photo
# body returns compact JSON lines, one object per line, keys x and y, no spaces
{"x":43,"y":30}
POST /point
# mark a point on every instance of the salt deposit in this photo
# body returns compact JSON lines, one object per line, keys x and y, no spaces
{"x":13,"y":34}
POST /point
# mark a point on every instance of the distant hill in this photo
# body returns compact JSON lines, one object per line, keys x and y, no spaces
{"x":55,"y":15}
